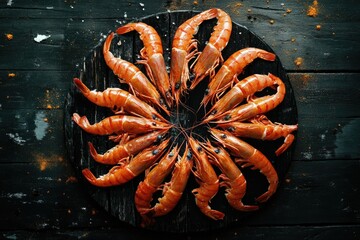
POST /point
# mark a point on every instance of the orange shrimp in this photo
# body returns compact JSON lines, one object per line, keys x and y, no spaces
{"x":243,"y":89}
{"x":173,"y":190}
{"x":119,"y":100}
{"x":211,"y":56}
{"x":152,"y":55}
{"x":184,"y":48}
{"x":122,"y":174}
{"x":208,"y":180}
{"x":153,"y":180}
{"x":125,"y":149}
{"x":233,"y":66}
{"x":128,"y":72}
{"x":232,"y":177}
{"x":248,"y":156}
{"x":255,"y":106}
{"x":118,"y":124}
{"x":262,"y":128}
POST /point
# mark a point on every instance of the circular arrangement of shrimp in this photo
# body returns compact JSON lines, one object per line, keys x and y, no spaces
{"x":152,"y":138}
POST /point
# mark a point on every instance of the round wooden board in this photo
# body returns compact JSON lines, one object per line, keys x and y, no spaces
{"x":119,"y":201}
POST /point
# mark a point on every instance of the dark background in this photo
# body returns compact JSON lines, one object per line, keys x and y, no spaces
{"x":40,"y":195}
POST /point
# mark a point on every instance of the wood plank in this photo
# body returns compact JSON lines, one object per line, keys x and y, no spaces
{"x":85,"y":10}
{"x":307,"y":198}
{"x":349,"y":232}
{"x":336,"y":49}
{"x":64,"y":48}
{"x":329,"y":95}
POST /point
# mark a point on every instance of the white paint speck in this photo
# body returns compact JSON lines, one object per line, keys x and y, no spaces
{"x":74,"y":224}
{"x":141,"y":4}
{"x":49,"y":8}
{"x":40,"y":37}
{"x":16,"y":195}
{"x":125,"y":14}
{"x":103,"y":36}
{"x":157,"y":17}
{"x":40,"y":125}
{"x":11,"y":237}
{"x":9,"y":2}
{"x":307,"y":155}
{"x":322,"y":136}
{"x":16,"y":138}
{"x":46,"y":178}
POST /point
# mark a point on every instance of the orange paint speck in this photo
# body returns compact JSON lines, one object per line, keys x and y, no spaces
{"x":313,"y":10}
{"x":45,"y":161}
{"x":298,"y":61}
{"x":9,"y":36}
{"x":43,"y":165}
{"x":11,"y":75}
{"x":305,"y":78}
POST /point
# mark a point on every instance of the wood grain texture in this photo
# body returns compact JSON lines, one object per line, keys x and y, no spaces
{"x":324,"y":171}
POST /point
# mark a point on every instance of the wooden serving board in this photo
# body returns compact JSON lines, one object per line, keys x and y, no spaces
{"x":119,"y":201}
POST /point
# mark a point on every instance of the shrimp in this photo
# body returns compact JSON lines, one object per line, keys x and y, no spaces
{"x":243,"y":89}
{"x":129,"y":73}
{"x":184,"y":48}
{"x":248,"y":156}
{"x":232,"y":177}
{"x":173,"y":190}
{"x":208,"y":180}
{"x":119,"y":100}
{"x":255,"y":106}
{"x":262,"y":128}
{"x":152,"y":55}
{"x":153,"y":180}
{"x":233,"y":66}
{"x":122,"y":174}
{"x":211,"y":56}
{"x":119,"y":123}
{"x":126,"y":148}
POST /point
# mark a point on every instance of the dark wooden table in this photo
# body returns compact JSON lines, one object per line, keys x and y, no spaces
{"x":40,"y":195}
